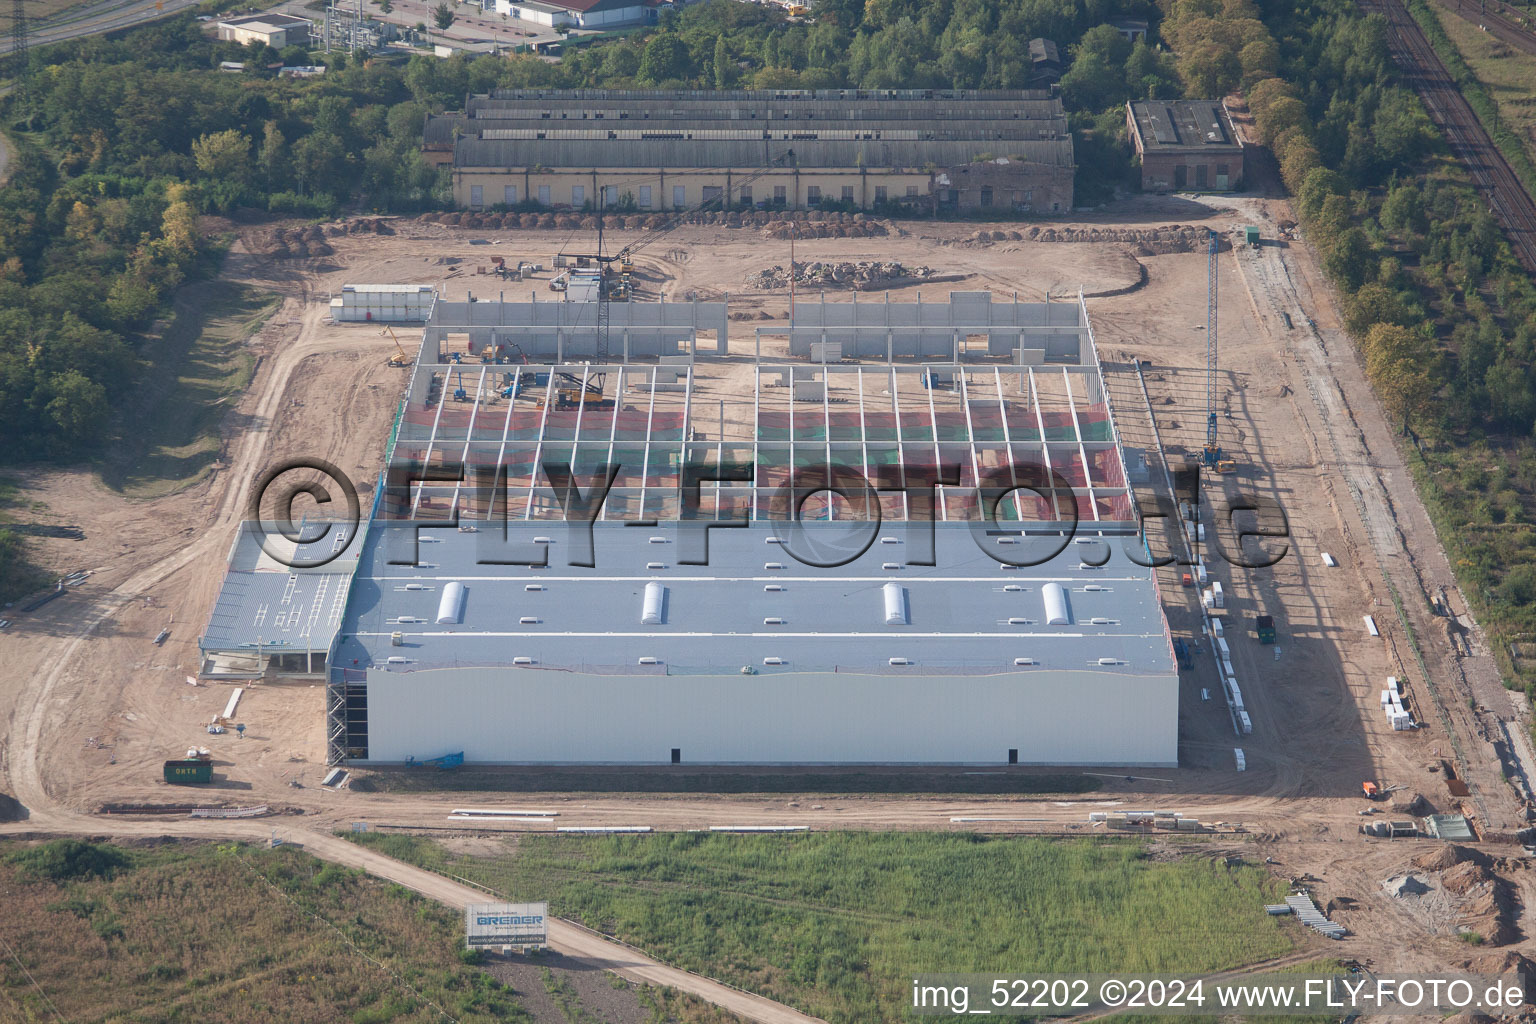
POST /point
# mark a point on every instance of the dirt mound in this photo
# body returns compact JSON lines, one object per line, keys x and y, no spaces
{"x":1173,"y":238}
{"x":782,"y":230}
{"x":1407,"y":885}
{"x":1465,"y":877}
{"x":1448,"y":857}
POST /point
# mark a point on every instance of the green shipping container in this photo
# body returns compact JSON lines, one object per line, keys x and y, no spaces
{"x":186,"y":773}
{"x":1251,"y":235}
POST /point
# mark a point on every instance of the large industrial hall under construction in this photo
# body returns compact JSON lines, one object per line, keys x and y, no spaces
{"x":638,"y":150}
{"x":701,"y":619}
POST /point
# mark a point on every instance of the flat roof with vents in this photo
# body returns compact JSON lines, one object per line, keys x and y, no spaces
{"x":955,"y":617}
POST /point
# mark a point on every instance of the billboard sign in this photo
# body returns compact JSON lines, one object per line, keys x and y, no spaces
{"x":505,"y":924}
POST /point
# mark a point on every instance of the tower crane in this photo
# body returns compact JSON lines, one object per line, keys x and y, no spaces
{"x":625,"y":256}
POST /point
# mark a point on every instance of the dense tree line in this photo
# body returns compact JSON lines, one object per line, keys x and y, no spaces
{"x":1444,"y":315}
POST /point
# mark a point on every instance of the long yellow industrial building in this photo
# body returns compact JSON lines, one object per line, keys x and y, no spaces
{"x":674,"y":150}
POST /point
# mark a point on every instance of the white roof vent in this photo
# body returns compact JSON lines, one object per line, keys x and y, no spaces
{"x":416,"y":586}
{"x":522,"y":659}
{"x":529,"y":620}
{"x":1018,"y":621}
{"x":450,"y":608}
{"x":895,"y":604}
{"x":901,"y":661}
{"x":1099,"y":620}
{"x":773,"y":587}
{"x":770,"y":540}
{"x":1093,"y":588}
{"x":890,"y":540}
{"x":648,"y":660}
{"x":773,"y":565}
{"x":655,"y":565}
{"x":658,"y":540}
{"x":1023,"y":661}
{"x":891,"y":566}
{"x":1056,"y":611}
{"x":533,"y":586}
{"x":1012,"y":588}
{"x":1007,"y":540}
{"x":773,"y":661}
{"x":1110,"y":661}
{"x":773,"y":620}
{"x":655,"y":603}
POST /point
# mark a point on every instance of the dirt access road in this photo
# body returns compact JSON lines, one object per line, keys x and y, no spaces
{"x":99,"y":707}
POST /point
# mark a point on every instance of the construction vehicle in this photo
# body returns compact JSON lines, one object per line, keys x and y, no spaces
{"x":1371,"y":791}
{"x":445,"y":763}
{"x":401,"y":359}
{"x":1182,"y":653}
{"x":1265,"y":626}
{"x":459,"y":394}
{"x":572,"y":392}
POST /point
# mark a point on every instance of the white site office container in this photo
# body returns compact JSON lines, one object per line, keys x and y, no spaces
{"x":1237,"y":695}
{"x":1247,"y":723}
{"x":1201,"y":574}
{"x":1370,"y":626}
{"x":1217,"y":597}
{"x":1330,"y":561}
{"x":1386,"y":698}
{"x":1402,"y":722}
{"x":1217,"y":629}
{"x":1242,"y":762}
{"x":1393,"y":687}
{"x":1221,"y":645}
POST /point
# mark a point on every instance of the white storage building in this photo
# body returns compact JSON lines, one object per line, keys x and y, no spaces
{"x":384,"y":303}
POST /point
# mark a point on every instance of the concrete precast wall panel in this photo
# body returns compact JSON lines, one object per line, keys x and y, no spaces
{"x":1057,"y":611}
{"x":895,"y":604}
{"x":655,"y":604}
{"x":450,"y":607}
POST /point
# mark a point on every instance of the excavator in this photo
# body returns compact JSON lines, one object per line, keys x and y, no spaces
{"x":396,"y":360}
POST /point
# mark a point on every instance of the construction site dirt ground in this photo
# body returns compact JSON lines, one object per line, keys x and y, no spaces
{"x":94,"y":706}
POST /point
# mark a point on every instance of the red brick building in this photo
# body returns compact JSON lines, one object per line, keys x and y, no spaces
{"x":1186,"y":145}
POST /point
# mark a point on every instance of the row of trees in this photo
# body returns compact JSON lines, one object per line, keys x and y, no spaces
{"x":1444,"y":315}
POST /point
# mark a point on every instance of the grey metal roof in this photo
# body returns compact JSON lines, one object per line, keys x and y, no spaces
{"x":967,"y":613}
{"x":718,"y":96}
{"x":1185,"y":126}
{"x":867,"y":111}
{"x":264,"y":602}
{"x":715,"y":153}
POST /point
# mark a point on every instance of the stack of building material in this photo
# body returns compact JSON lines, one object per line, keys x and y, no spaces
{"x":1313,"y":918}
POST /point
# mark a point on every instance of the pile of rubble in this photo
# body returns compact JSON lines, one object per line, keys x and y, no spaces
{"x":1161,"y":241}
{"x":297,"y":243}
{"x":844,"y":226}
{"x":360,"y":226}
{"x":859,"y":276}
{"x":777,"y":224}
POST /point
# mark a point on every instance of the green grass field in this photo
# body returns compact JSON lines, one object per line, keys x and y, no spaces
{"x":235,"y":934}
{"x":169,"y":435}
{"x":837,"y":923}
{"x":1507,"y":74}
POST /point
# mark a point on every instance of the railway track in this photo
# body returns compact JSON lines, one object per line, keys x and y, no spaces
{"x":1506,"y":24}
{"x":1507,"y":198}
